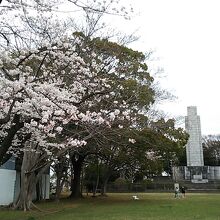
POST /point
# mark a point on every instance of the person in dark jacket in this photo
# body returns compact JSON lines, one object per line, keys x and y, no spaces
{"x":183,"y":191}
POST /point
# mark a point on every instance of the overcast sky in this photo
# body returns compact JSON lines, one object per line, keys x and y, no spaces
{"x":185,"y":35}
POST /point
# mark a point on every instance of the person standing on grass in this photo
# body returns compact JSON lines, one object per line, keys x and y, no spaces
{"x":176,"y":191}
{"x":183,"y":191}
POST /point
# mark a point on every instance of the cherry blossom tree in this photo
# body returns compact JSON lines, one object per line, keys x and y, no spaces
{"x":45,"y":90}
{"x":64,"y":92}
{"x":129,"y":91}
{"x":47,"y":85}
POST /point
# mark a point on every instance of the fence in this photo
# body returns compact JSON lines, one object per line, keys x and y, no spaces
{"x":139,"y":187}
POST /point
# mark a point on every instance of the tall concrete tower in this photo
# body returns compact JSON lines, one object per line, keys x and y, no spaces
{"x":194,"y":151}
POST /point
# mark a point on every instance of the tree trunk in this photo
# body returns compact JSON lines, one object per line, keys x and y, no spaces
{"x":97,"y":181}
{"x":58,"y":186}
{"x":29,"y":180}
{"x":104,"y":186}
{"x":28,"y":183}
{"x":61,"y":169}
{"x":77,"y":164}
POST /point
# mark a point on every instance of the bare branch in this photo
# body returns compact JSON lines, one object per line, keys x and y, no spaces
{"x":8,"y":116}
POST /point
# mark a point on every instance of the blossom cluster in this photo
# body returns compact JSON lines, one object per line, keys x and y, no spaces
{"x":53,"y":86}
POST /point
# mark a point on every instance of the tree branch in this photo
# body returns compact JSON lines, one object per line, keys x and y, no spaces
{"x":10,"y":136}
{"x":8,"y":116}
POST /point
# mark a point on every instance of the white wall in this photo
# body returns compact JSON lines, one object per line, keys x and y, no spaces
{"x":7,"y":185}
{"x":45,"y":186}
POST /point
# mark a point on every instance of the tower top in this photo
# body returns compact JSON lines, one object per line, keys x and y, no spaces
{"x":191,"y":110}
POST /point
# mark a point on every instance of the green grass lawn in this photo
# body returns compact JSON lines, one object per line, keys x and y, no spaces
{"x":152,"y":206}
